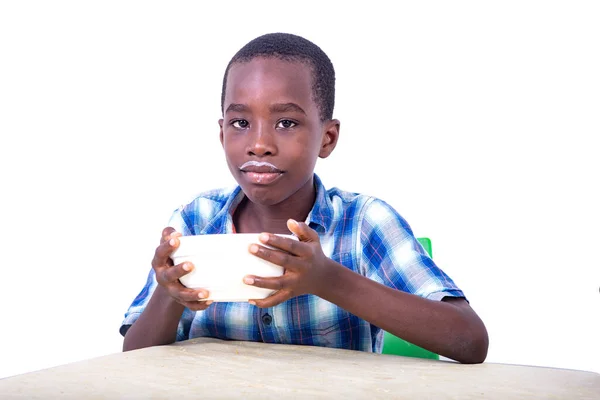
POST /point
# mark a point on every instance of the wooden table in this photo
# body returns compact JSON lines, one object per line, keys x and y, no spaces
{"x":210,"y":368}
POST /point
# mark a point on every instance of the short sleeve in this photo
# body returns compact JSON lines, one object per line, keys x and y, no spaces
{"x":390,"y":254}
{"x":177,"y":221}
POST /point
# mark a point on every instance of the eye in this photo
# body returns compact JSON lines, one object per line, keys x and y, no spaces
{"x":240,"y":123}
{"x":286,"y":124}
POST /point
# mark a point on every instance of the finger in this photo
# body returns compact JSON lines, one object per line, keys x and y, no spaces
{"x":273,"y":283}
{"x":272,"y":300}
{"x":183,"y":294}
{"x":278,"y":257}
{"x":302,"y":231}
{"x":172,"y":274}
{"x":291,"y":246}
{"x":168,"y":233}
{"x":197,"y":305}
{"x":162,"y":255}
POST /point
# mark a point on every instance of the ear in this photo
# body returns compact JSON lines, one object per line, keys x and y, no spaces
{"x":221,"y":131}
{"x":330,"y":137}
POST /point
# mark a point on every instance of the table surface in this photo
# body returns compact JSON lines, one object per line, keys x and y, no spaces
{"x":213,"y":368}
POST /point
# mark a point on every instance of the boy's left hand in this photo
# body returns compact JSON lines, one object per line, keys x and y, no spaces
{"x":303,"y":259}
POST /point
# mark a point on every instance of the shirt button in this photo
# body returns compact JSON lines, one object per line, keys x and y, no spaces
{"x":267,"y":319}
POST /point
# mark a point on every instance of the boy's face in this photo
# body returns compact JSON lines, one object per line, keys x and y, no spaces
{"x":271,"y":129}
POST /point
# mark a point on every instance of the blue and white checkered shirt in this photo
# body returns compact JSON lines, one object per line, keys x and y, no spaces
{"x":360,"y":232}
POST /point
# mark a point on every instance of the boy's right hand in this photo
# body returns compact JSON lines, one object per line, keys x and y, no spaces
{"x":167,"y":274}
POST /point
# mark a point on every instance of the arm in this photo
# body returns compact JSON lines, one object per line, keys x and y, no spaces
{"x":157,"y":325}
{"x":450,"y":328}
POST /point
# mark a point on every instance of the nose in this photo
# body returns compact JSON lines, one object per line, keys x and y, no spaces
{"x":261,"y":142}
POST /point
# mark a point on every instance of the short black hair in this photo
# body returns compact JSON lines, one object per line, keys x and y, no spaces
{"x":288,"y":47}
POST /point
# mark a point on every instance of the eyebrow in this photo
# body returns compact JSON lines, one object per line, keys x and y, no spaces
{"x":286,"y":107}
{"x":236,"y":108}
{"x":275,"y":108}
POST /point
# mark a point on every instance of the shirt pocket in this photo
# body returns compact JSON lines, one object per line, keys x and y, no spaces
{"x":332,"y":325}
{"x":318,"y":322}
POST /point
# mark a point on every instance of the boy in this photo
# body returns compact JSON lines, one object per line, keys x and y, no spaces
{"x":356,"y":268}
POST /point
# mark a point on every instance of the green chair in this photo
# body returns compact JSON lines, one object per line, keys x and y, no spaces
{"x":394,"y":345}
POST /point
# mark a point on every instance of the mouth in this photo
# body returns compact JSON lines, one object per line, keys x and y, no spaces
{"x":261,"y":173}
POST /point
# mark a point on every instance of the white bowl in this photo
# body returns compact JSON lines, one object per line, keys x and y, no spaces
{"x":220,"y":263}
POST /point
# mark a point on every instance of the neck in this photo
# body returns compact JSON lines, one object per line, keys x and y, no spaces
{"x":251,"y":217}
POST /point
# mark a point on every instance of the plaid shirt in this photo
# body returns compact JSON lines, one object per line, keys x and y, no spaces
{"x":360,"y":232}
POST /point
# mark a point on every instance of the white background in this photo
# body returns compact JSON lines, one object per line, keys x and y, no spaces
{"x":475,"y":120}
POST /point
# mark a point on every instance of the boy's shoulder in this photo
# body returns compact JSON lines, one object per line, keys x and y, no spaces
{"x":335,"y":194}
{"x":209,"y":202}
{"x":218,"y":195}
{"x":355,"y":204}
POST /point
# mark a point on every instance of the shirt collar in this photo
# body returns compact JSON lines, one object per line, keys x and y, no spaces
{"x":223,"y":220}
{"x":319,"y":218}
{"x":321,"y":215}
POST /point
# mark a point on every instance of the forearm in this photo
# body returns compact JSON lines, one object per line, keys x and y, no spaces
{"x":447,"y":329}
{"x":158,"y":323}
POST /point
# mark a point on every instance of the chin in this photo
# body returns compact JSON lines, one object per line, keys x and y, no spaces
{"x":265,"y":196}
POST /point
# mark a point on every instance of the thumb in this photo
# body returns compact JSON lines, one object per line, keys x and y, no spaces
{"x":302,"y":231}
